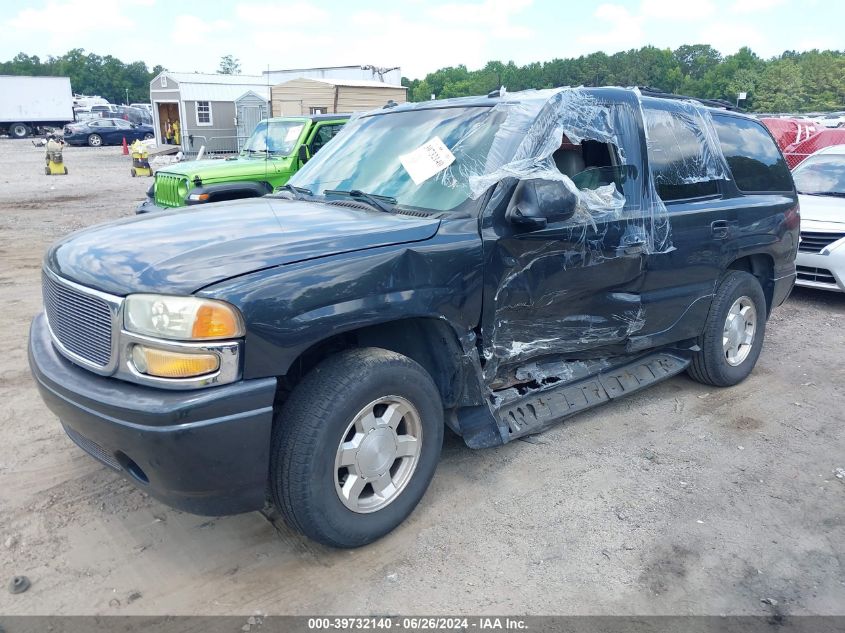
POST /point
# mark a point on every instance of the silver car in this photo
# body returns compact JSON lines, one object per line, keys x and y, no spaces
{"x":820,"y":180}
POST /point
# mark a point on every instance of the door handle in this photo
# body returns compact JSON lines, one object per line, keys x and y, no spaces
{"x":630,"y":249}
{"x":720,"y":229}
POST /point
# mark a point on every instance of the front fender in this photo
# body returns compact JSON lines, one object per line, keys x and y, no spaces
{"x":291,"y":308}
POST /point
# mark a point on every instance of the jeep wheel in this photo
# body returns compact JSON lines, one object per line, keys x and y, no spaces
{"x":95,"y":140}
{"x":733,"y":333}
{"x":18,"y":130}
{"x":355,"y":446}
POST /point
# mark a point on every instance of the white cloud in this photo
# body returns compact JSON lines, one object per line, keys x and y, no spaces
{"x":63,"y":18}
{"x":191,"y":30}
{"x":677,"y":10}
{"x":755,"y":6}
{"x":494,"y":16}
{"x":305,"y":14}
{"x":729,"y":38}
{"x":620,"y":30}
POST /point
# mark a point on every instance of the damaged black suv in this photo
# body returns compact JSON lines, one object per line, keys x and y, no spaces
{"x":494,"y":264}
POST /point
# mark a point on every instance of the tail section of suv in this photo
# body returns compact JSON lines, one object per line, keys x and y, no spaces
{"x":276,"y":149}
{"x":492,"y":264}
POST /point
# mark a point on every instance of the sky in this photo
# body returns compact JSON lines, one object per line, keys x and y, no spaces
{"x":420,"y":36}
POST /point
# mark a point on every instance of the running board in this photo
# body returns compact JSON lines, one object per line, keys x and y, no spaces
{"x":537,"y":410}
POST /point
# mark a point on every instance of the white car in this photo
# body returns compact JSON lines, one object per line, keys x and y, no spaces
{"x":820,"y":180}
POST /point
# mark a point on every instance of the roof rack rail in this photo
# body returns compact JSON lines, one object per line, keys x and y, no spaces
{"x":712,"y":103}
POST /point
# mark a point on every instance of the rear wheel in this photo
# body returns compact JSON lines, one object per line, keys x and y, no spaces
{"x":733,"y":334}
{"x":95,"y":140}
{"x":18,"y":130}
{"x":355,"y":446}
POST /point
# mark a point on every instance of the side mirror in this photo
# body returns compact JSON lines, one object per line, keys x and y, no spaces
{"x":536,"y":202}
{"x":303,"y":153}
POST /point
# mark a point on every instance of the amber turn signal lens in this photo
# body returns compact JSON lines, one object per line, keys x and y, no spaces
{"x":215,"y":320}
{"x":166,"y":364}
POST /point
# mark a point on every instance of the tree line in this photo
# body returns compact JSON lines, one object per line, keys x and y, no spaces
{"x":90,"y":74}
{"x":793,"y":82}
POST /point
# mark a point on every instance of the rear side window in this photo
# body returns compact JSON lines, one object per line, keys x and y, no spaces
{"x":679,"y":158}
{"x":752,"y":155}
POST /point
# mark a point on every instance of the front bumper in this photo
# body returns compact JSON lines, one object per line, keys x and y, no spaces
{"x":824,"y":271}
{"x":205,"y":451}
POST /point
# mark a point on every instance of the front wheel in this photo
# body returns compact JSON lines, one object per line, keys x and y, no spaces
{"x":355,"y":446}
{"x":147,"y":136}
{"x":18,"y":130}
{"x":733,"y":334}
{"x":95,"y":140}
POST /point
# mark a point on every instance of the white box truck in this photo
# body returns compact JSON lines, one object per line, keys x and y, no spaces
{"x":30,"y":104}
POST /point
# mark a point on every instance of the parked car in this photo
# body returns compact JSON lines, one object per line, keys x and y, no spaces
{"x":820,"y":181}
{"x":133,"y":115}
{"x":146,"y":106}
{"x":495,"y":264}
{"x":97,"y":132}
{"x":104,"y":109}
{"x":271,"y":155}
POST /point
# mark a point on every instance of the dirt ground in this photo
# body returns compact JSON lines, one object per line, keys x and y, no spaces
{"x":679,"y":500}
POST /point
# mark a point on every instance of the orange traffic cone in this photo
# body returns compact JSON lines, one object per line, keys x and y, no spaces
{"x":125,"y":147}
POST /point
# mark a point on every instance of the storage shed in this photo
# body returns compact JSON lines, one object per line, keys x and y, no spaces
{"x":328,"y":96}
{"x":205,"y":105}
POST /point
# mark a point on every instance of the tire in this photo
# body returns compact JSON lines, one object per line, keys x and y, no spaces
{"x":18,"y":130}
{"x":95,"y":140}
{"x":132,"y":171}
{"x":717,"y":363}
{"x":321,"y":413}
{"x":46,"y":171}
{"x":147,"y":136}
{"x":65,"y":171}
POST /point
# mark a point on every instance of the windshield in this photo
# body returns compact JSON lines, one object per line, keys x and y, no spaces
{"x":365,"y":156}
{"x":274,"y":137}
{"x":824,"y":175}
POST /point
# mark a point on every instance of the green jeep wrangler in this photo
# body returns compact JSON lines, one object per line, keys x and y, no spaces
{"x":276,"y":150}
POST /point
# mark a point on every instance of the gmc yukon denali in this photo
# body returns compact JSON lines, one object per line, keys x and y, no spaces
{"x":494,"y":264}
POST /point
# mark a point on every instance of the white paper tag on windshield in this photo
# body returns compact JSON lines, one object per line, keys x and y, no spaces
{"x":427,"y":160}
{"x":292,"y":134}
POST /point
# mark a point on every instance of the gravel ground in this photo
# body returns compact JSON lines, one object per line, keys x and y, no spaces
{"x":681,"y":499}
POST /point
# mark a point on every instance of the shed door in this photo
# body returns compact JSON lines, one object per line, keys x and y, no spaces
{"x":250,"y":116}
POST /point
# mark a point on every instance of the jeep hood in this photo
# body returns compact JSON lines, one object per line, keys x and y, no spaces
{"x":229,"y":169}
{"x":183,"y":251}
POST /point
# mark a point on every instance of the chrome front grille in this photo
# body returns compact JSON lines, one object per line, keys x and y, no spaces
{"x":80,"y":322}
{"x":812,"y":242}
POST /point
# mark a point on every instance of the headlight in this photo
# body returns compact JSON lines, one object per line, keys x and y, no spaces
{"x":182,"y":188}
{"x":181,"y":318}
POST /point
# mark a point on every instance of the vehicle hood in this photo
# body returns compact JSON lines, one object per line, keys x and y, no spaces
{"x":822,"y":213}
{"x":233,"y":168}
{"x":182,"y":251}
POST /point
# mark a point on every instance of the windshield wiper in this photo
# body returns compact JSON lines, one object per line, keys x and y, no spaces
{"x":374,"y":200}
{"x":834,"y":194}
{"x":299,"y":193}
